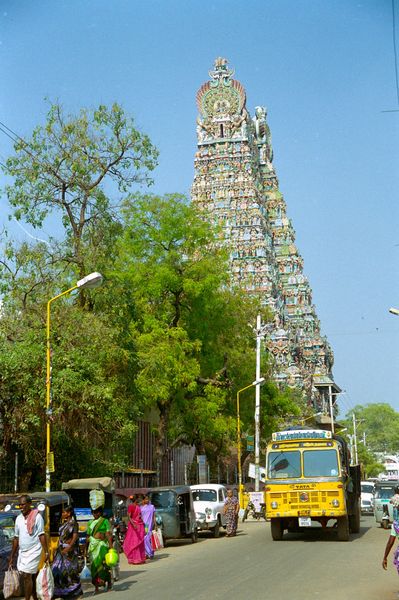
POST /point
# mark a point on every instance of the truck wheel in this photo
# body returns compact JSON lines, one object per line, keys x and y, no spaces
{"x":343,"y":529}
{"x":216,"y":529}
{"x":277,"y":529}
{"x":354,"y":520}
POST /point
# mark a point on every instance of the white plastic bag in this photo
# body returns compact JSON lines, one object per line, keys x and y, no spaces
{"x":158,"y":531}
{"x":45,"y":583}
{"x":85,"y":574}
{"x":11,"y":586}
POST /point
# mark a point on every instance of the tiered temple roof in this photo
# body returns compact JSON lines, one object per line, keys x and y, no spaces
{"x":236,"y":186}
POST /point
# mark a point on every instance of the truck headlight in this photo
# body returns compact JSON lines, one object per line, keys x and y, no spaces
{"x":274,"y":504}
{"x":208,"y":511}
{"x":335,"y":503}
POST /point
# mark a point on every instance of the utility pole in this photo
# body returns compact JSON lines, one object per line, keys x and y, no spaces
{"x":257,"y":403}
{"x":330,"y":400}
{"x":354,"y":438}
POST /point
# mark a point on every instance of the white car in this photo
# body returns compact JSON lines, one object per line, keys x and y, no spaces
{"x":208,"y":500}
{"x":367,"y":497}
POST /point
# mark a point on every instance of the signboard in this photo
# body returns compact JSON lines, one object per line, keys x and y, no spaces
{"x":202,"y":468}
{"x":301,"y":434}
{"x":250,"y":443}
{"x":50,"y":462}
{"x":257,"y":498}
{"x":251,"y":472}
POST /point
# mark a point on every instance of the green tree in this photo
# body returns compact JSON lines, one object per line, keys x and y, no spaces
{"x":379,"y":423}
{"x":77,"y":169}
{"x":194,"y":346}
{"x":191,"y":330}
{"x":93,"y":413}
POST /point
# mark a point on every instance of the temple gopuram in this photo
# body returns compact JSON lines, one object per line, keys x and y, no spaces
{"x":236,"y":186}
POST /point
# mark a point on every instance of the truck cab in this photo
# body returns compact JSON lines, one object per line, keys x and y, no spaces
{"x":309,"y":478}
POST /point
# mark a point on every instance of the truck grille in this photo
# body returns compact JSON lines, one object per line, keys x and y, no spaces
{"x":317,"y":498}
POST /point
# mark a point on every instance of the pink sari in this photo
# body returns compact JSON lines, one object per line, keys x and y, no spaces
{"x":133,"y":546}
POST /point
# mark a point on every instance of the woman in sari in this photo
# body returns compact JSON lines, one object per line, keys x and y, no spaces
{"x":148,"y":515}
{"x":65,"y":566}
{"x":98,"y":542}
{"x":231,"y":509}
{"x":133,"y":546}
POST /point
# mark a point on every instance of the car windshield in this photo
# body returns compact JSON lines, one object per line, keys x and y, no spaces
{"x":320,"y":464}
{"x":367,"y":488}
{"x":204,"y":495}
{"x":385,"y":493}
{"x":282,"y":465}
{"x":162,"y":499}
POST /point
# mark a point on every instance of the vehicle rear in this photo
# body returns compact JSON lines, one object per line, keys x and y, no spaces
{"x":383,"y":509}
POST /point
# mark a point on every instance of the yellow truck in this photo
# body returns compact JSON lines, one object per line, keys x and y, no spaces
{"x":309,"y":478}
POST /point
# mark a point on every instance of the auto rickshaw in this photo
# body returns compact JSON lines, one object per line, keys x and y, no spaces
{"x":79,"y":491}
{"x":383,"y":509}
{"x":174,"y":504}
{"x":49,"y":504}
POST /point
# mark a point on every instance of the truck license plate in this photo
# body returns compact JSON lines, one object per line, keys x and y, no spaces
{"x":305,"y":521}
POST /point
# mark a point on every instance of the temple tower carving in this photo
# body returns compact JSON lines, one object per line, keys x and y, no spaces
{"x":236,"y":186}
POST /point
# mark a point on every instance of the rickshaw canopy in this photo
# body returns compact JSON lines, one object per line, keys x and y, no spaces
{"x":107,"y":484}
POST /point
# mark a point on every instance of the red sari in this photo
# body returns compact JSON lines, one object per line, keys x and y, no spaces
{"x":133,"y":546}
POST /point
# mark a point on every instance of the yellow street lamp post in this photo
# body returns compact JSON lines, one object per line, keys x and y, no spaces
{"x":239,"y":469}
{"x":89,"y":282}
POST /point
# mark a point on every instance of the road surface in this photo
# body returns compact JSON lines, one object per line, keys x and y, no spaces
{"x":310,"y":566}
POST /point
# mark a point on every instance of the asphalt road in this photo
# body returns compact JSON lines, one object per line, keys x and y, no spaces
{"x":251,"y":566}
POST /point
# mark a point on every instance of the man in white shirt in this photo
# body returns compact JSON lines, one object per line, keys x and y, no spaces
{"x":30,"y":540}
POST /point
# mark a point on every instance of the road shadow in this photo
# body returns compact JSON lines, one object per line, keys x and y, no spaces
{"x":313,"y":534}
{"x":171,"y":543}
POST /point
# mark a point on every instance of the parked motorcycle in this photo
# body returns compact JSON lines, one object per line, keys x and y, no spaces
{"x":251,"y":511}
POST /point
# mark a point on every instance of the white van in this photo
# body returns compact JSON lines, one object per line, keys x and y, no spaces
{"x":367,"y":497}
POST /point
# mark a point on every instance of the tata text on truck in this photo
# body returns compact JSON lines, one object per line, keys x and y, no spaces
{"x":309,"y":478}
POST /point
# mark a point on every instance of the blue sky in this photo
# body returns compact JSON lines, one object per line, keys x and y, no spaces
{"x":326,"y":72}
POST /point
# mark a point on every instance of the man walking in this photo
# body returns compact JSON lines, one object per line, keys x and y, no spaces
{"x":30,"y":540}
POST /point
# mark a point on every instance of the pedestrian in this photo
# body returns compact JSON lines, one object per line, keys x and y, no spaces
{"x":388,"y":547}
{"x":65,"y":566}
{"x":231,"y":509}
{"x":30,"y":541}
{"x":133,"y":546}
{"x":148,"y":516}
{"x":98,"y":542}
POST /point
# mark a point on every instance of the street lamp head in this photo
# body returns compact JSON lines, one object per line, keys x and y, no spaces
{"x":259,"y":381}
{"x":394,"y":311}
{"x":91,"y":281}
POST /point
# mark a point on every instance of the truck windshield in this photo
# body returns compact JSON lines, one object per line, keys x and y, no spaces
{"x":282,"y":465}
{"x":318,"y":463}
